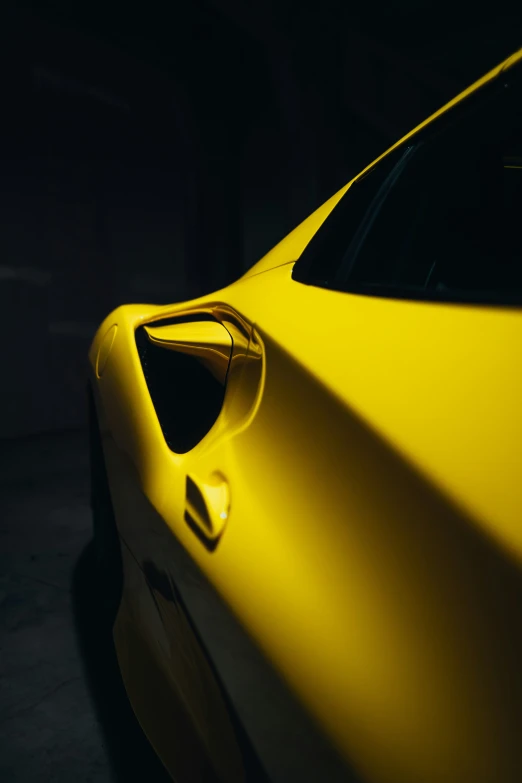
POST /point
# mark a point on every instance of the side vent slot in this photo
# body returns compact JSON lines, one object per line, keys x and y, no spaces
{"x":186,"y":396}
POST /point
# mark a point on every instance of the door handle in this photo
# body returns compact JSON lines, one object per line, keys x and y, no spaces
{"x":207,"y":507}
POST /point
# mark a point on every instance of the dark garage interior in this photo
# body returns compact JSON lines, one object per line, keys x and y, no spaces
{"x":151,"y":153}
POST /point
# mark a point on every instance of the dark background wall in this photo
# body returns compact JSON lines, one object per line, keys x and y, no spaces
{"x":152,"y":153}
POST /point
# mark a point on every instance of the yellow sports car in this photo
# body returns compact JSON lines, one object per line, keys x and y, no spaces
{"x":307,"y":486}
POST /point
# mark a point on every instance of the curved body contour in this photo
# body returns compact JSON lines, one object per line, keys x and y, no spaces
{"x":324,"y":583}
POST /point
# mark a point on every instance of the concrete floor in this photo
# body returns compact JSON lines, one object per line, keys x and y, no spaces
{"x":64,"y":715}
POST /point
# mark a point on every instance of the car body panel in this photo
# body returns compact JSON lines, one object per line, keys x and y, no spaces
{"x":372,"y":551}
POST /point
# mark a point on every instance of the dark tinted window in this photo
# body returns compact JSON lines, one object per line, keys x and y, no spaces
{"x":323,"y":255}
{"x":444,"y":223}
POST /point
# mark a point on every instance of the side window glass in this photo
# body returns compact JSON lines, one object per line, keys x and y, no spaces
{"x":323,"y":255}
{"x":448,"y":226}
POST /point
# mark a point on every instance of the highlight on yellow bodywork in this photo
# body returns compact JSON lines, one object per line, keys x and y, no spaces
{"x":291,"y":246}
{"x":208,"y":341}
{"x":105,"y":349}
